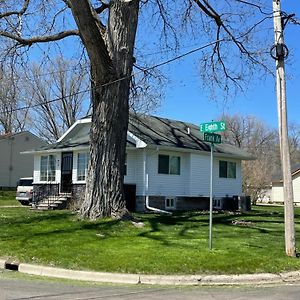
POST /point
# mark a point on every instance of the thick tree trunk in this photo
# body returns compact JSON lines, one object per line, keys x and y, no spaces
{"x":111,"y":57}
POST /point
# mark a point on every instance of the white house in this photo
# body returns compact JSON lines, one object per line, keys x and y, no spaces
{"x":14,"y":165}
{"x":277,"y":187}
{"x":167,"y":163}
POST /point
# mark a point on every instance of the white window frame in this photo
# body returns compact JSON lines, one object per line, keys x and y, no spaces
{"x":48,"y":176}
{"x":86,"y":161}
{"x":170,"y":157}
{"x":228,"y":164}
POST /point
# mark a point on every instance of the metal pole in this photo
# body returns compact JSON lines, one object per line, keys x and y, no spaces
{"x":211,"y":196}
{"x":281,"y":50}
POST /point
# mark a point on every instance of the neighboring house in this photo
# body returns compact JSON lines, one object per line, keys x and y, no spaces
{"x":167,"y":163}
{"x":277,"y":187}
{"x":14,"y":165}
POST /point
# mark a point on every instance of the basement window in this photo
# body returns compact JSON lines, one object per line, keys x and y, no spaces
{"x":170,"y":203}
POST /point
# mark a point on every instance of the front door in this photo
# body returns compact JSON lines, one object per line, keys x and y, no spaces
{"x":66,"y":172}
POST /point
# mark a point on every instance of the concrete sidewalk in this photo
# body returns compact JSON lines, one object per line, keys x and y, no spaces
{"x":261,"y":278}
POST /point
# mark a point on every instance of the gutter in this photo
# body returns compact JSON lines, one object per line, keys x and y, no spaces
{"x":146,"y":188}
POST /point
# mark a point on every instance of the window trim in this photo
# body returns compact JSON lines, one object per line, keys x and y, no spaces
{"x":48,"y":177}
{"x":170,"y":157}
{"x":228,"y":163}
{"x":172,"y":200}
{"x":86,"y":154}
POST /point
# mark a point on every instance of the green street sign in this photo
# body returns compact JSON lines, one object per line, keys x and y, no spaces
{"x":213,"y":126}
{"x":212,"y":138}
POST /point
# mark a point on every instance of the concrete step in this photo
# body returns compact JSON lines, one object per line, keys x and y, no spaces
{"x":52,"y":202}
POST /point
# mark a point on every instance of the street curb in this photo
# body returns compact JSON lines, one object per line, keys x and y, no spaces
{"x":78,"y":275}
{"x":186,"y":280}
{"x":2,"y":263}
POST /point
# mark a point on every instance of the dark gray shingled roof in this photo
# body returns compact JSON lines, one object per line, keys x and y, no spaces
{"x":294,"y":170}
{"x":156,"y":131}
{"x":171,"y":133}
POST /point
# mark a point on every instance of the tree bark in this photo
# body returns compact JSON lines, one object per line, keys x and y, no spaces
{"x":111,"y":58}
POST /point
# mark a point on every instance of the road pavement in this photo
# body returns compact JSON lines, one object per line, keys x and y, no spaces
{"x":29,"y":288}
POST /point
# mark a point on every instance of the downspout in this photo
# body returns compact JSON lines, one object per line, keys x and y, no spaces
{"x":146,"y":188}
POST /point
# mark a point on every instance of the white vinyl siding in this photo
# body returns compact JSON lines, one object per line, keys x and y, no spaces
{"x":200,"y":177}
{"x":296,"y":188}
{"x":13,"y":164}
{"x":193,"y":180}
{"x":227,"y":186}
{"x":277,"y":190}
{"x":166,"y":184}
{"x":132,"y":163}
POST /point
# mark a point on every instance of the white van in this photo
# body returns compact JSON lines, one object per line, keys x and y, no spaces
{"x":25,"y":190}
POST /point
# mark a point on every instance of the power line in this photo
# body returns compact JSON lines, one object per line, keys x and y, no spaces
{"x":77,"y":66}
{"x":122,"y":78}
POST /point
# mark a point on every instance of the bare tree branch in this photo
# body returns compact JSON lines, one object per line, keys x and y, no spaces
{"x":18,"y":13}
{"x":255,"y":5}
{"x":104,"y":6}
{"x":40,"y":39}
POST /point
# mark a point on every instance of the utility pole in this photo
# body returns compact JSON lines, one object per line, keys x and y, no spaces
{"x":279,"y":52}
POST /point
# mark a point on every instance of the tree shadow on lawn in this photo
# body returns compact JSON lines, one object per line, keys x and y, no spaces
{"x":198,"y":221}
{"x":51,"y":224}
{"x":36,"y":218}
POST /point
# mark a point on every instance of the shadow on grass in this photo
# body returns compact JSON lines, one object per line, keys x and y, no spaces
{"x":162,"y":225}
{"x":48,"y":224}
{"x":181,"y":225}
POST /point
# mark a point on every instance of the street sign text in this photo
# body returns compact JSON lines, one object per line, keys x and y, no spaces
{"x":213,"y":126}
{"x":212,"y":137}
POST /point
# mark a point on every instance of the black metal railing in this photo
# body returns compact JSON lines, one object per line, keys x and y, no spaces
{"x":48,"y":193}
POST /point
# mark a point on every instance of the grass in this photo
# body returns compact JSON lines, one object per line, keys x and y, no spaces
{"x":175,"y":244}
{"x":8,"y":198}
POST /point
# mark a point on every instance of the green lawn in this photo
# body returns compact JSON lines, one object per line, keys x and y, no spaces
{"x":8,"y":198}
{"x":165,"y":245}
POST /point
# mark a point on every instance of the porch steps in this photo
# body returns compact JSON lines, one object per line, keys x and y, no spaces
{"x":52,"y":202}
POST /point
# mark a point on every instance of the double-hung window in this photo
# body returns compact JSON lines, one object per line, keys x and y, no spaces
{"x":47,"y":168}
{"x":168,"y":164}
{"x":82,"y":165}
{"x":227,"y":169}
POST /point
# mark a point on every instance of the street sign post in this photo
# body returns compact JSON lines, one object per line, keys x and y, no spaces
{"x":208,"y":130}
{"x":213,"y":126}
{"x":212,"y":138}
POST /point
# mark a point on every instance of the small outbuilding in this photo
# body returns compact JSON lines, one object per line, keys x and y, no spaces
{"x":277,"y":187}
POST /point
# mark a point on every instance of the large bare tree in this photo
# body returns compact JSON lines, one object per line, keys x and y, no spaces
{"x":257,"y":138}
{"x":12,"y":97}
{"x":107,"y":30}
{"x":57,"y":90}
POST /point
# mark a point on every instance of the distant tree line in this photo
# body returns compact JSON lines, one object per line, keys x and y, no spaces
{"x":253,"y":135}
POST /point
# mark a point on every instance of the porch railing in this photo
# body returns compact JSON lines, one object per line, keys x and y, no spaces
{"x":48,"y":193}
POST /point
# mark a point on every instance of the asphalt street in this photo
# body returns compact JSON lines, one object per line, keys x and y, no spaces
{"x":32,"y":288}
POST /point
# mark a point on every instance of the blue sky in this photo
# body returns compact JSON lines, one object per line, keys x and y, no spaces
{"x":185,"y":100}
